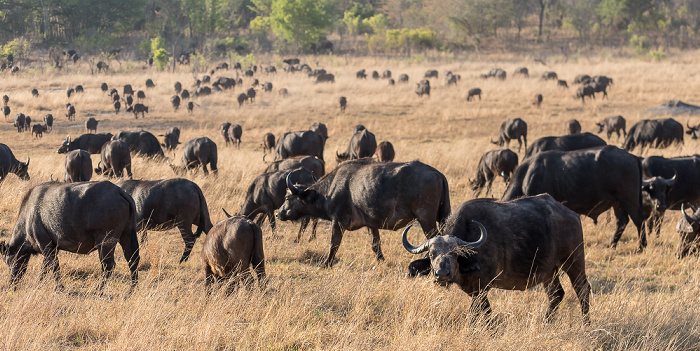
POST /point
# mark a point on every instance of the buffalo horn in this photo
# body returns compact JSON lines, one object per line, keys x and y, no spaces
{"x":27,"y":163}
{"x":687,"y":218}
{"x":51,"y":177}
{"x":410,"y":248}
{"x":264,"y":157}
{"x":673,"y":179}
{"x":492,"y":142}
{"x":226,"y":213}
{"x":314,"y":177}
{"x":475,"y":244}
{"x":687,"y":124}
{"x":293,"y":188}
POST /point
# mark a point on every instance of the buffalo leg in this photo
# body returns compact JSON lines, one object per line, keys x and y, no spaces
{"x":130,"y":248}
{"x":204,"y":167}
{"x":189,"y":239}
{"x":18,"y":269}
{"x":555,"y":293}
{"x":577,"y":275}
{"x":656,"y":224}
{"x":622,"y":220}
{"x":637,"y":215}
{"x":271,"y":217}
{"x":336,"y":239}
{"x":128,"y":171}
{"x":209,"y":279}
{"x":106,"y":253}
{"x":376,"y":244}
{"x":314,"y":224}
{"x":302,"y":227}
{"x":480,"y":303}
{"x":50,"y":264}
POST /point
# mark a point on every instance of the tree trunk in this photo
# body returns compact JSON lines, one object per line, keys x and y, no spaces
{"x":543,"y":5}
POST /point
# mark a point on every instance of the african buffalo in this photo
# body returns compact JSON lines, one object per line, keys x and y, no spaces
{"x":251,"y":94}
{"x":268,"y":143}
{"x":537,"y":239}
{"x":150,"y":84}
{"x":403,"y":78}
{"x":223,"y":130}
{"x":688,"y":228}
{"x":385,"y":152}
{"x":343,"y":101}
{"x":656,"y":133}
{"x":562,"y":84}
{"x":241,"y":99}
{"x":115,"y":157}
{"x":78,"y":165}
{"x":299,"y":143}
{"x":91,"y":125}
{"x":92,"y":143}
{"x":178,"y":87}
{"x":361,"y":74}
{"x":310,"y":163}
{"x":200,"y":151}
{"x":521,"y":71}
{"x":320,"y":129}
{"x":584,"y":91}
{"x":550,"y":76}
{"x":170,"y":203}
{"x":142,"y":143}
{"x":613,"y":124}
{"x":74,"y":217}
{"x":138,"y":108}
{"x":362,"y":144}
{"x":431,"y":74}
{"x":472,"y":93}
{"x":573,"y":126}
{"x":325,"y":78}
{"x":564,"y":143}
{"x":495,"y":162}
{"x":48,"y":121}
{"x":582,"y":79}
{"x":423,"y":88}
{"x":267,"y":193}
{"x":231,"y":247}
{"x":377,"y":195}
{"x":38,"y":130}
{"x":588,"y":181}
{"x":19,"y":122}
{"x":514,"y":128}
{"x":127,"y":90}
{"x":171,"y":138}
{"x":175,"y":101}
{"x":235,"y":132}
{"x":9,"y":164}
{"x":6,"y":111}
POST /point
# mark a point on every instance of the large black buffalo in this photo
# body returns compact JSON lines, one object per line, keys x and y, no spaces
{"x":200,"y":151}
{"x":362,"y":144}
{"x":170,"y":203}
{"x":300,"y":143}
{"x":588,"y":181}
{"x":515,"y":129}
{"x":684,"y":190}
{"x":496,"y":162}
{"x":91,"y":143}
{"x":78,"y":166}
{"x":310,"y":163}
{"x":377,"y":195}
{"x":267,"y":193}
{"x":142,"y":143}
{"x":10,"y":164}
{"x":74,"y":217}
{"x":482,"y":249}
{"x":564,"y":143}
{"x":656,"y":133}
{"x":115,"y":157}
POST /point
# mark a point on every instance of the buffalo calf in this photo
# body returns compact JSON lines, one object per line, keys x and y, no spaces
{"x":78,"y":166}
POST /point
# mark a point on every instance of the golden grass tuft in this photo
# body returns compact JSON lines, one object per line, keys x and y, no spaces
{"x":640,"y":301}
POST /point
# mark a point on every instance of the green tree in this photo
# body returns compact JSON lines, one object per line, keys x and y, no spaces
{"x":302,"y":22}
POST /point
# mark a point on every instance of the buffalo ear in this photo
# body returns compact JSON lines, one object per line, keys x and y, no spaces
{"x":467,"y":264}
{"x":645,"y":186}
{"x":3,"y":248}
{"x":419,"y":267}
{"x":689,"y":132}
{"x":307,"y":195}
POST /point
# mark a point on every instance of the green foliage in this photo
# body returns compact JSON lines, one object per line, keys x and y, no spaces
{"x":160,"y":57}
{"x":18,"y":47}
{"x":640,"y":43}
{"x":658,"y":55}
{"x":95,"y":43}
{"x":421,"y":38}
{"x":302,"y":22}
{"x":157,"y":43}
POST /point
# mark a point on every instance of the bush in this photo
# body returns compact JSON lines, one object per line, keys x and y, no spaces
{"x":18,"y":47}
{"x":641,"y":44}
{"x":658,"y":55}
{"x":160,"y":57}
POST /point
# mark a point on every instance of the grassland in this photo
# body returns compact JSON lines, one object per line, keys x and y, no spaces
{"x":645,"y":301}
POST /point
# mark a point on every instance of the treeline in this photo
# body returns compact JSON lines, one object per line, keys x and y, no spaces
{"x":361,"y":26}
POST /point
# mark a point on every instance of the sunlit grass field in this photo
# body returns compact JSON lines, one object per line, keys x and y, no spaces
{"x":645,"y":301}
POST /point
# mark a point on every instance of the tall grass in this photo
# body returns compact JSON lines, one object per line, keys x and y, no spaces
{"x":640,"y":301}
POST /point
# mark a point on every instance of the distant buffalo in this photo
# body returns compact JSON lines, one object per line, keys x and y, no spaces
{"x":235,"y":132}
{"x":142,"y":143}
{"x":385,"y":152}
{"x":423,"y":88}
{"x":472,"y":93}
{"x":521,"y":71}
{"x":656,"y":133}
{"x":550,"y":76}
{"x":200,"y":151}
{"x":512,"y":129}
{"x":538,"y":100}
{"x":78,"y":165}
{"x":268,"y":143}
{"x":115,"y":158}
{"x":343,"y":103}
{"x":573,"y":126}
{"x":362,"y":144}
{"x":299,"y":143}
{"x":493,"y":163}
{"x":613,"y":124}
{"x":584,"y":91}
{"x":171,"y":138}
{"x":91,"y":125}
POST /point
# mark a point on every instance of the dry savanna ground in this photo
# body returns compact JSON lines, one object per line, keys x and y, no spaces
{"x":645,"y":301}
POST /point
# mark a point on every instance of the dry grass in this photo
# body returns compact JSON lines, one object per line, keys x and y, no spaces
{"x":640,"y":301}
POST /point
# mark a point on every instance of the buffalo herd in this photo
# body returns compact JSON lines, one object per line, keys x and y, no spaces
{"x":475,"y":246}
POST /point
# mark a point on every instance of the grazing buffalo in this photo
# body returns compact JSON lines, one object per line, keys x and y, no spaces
{"x":325,"y":78}
{"x":685,"y":171}
{"x":38,"y":130}
{"x":362,"y":144}
{"x":241,"y":99}
{"x":688,"y":228}
{"x":268,"y":143}
{"x":515,"y":129}
{"x":602,"y":80}
{"x":613,"y":124}
{"x":167,"y":204}
{"x":496,"y":162}
{"x":9,"y":164}
{"x":231,"y":247}
{"x":20,"y":118}
{"x":550,"y":76}
{"x":310,"y":163}
{"x":175,"y":101}
{"x":299,"y":143}
{"x":361,"y":74}
{"x":320,"y":129}
{"x":185,"y":94}
{"x":75,"y":217}
{"x":589,"y":182}
{"x":599,"y":88}
{"x":375,"y":75}
{"x":385,"y":152}
{"x":101,"y":65}
{"x":223,"y":130}
{"x":190,"y":106}
{"x":79,"y":89}
{"x":115,"y":157}
{"x":267,"y":87}
{"x":451,"y":79}
{"x":234,"y":134}
{"x":142,"y":143}
{"x":267,"y":193}
{"x":377,"y":195}
{"x":474,"y":92}
{"x":104,"y":87}
{"x":150,"y":84}
{"x":423,"y":88}
{"x":92,"y":143}
{"x":70,"y":112}
{"x":48,"y":121}
{"x":582,"y":79}
{"x":5,"y":100}
{"x":564,"y":143}
{"x":136,"y":109}
{"x":35,"y":92}
{"x":482,"y":249}
{"x":656,"y":133}
{"x":78,"y":166}
{"x":6,"y":111}
{"x":584,"y":91}
{"x":171,"y":138}
{"x":251,"y":94}
{"x":538,"y":100}
{"x":403,"y":78}
{"x":70,"y":92}
{"x":573,"y":126}
{"x":386,"y":74}
{"x":343,"y":103}
{"x":128,"y":90}
{"x":91,"y":125}
{"x":562,"y":84}
{"x":117,"y":107}
{"x":431,"y":74}
{"x":178,"y":87}
{"x":200,"y":151}
{"x":521,"y":71}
